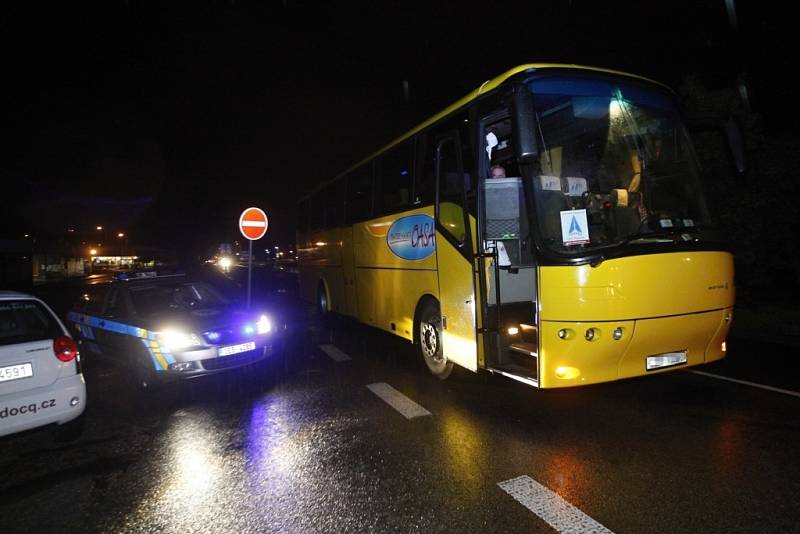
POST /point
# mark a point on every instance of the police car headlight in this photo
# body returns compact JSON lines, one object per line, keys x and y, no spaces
{"x":264,"y":325}
{"x":175,"y":339}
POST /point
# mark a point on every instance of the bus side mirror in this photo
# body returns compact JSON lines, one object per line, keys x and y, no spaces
{"x":703,"y":122}
{"x":734,"y":135}
{"x":523,"y":121}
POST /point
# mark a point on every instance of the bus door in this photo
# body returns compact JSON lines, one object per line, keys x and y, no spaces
{"x":454,"y":255}
{"x":508,"y":267}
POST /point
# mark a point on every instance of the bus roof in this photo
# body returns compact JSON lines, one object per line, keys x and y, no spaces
{"x":484,"y":88}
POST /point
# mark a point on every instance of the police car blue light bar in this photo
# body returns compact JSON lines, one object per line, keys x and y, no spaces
{"x":125,"y":276}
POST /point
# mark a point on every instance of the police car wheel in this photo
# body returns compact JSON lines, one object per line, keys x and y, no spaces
{"x":143,"y":378}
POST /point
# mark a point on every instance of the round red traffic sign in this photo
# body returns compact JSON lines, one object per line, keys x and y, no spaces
{"x":253,"y":223}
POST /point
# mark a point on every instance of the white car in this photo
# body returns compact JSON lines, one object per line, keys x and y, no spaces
{"x":40,"y":375}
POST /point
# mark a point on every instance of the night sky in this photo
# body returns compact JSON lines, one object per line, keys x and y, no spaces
{"x":165,"y":121}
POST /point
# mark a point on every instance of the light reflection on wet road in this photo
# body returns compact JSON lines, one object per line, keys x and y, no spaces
{"x":316,"y":451}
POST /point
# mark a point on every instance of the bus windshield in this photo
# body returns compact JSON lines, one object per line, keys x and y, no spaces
{"x":615,"y":165}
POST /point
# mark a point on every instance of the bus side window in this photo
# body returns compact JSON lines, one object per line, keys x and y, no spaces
{"x":425,"y":179}
{"x":393,"y":170}
{"x":333,"y":199}
{"x":315,"y":212}
{"x":359,"y":194}
{"x":451,"y":189}
{"x":502,"y":152}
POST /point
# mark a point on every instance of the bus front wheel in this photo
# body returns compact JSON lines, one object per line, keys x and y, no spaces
{"x":429,"y":344}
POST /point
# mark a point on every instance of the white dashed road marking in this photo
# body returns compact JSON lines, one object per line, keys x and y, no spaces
{"x":550,"y":506}
{"x":334,"y":353}
{"x":397,"y":400}
{"x":746,"y":383}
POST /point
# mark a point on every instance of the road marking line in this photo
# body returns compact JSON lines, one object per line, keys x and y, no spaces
{"x":746,"y":383}
{"x":550,"y":506}
{"x":334,"y":353}
{"x":397,"y":400}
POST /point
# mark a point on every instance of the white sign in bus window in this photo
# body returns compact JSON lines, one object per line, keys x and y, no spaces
{"x":576,"y":186}
{"x":574,"y":227}
{"x":550,"y":183}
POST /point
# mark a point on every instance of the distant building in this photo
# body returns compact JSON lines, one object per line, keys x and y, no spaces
{"x":16,"y":267}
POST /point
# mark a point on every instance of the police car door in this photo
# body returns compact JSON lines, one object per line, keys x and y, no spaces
{"x":119,"y":342}
{"x":85,"y":318}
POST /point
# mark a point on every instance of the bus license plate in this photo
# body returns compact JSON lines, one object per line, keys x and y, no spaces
{"x":236,"y":349}
{"x":15,"y":372}
{"x":668,"y":359}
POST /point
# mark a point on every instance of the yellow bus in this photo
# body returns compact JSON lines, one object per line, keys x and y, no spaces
{"x":550,"y":227}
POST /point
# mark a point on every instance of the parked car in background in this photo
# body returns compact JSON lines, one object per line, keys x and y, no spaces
{"x":40,"y":373}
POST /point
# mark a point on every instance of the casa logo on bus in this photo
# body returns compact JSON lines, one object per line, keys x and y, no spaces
{"x":412,"y":237}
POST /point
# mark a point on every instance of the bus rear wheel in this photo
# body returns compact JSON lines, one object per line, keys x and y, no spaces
{"x":429,"y":341}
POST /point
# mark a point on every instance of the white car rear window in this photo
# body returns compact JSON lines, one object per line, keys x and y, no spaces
{"x":22,"y":321}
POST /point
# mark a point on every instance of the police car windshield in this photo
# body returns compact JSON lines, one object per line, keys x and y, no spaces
{"x":161,"y":298}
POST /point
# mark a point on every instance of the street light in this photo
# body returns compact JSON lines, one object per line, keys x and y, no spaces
{"x":123,"y":235}
{"x":99,"y":227}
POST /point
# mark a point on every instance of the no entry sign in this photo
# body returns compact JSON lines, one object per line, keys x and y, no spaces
{"x":253,"y":223}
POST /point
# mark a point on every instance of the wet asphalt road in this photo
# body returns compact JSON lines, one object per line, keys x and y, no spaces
{"x":309,"y":448}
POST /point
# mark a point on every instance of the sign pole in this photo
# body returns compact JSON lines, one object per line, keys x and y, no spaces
{"x":253,"y":224}
{"x":249,"y":273}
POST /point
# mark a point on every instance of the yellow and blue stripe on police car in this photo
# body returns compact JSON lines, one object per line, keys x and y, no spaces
{"x":160,"y":356}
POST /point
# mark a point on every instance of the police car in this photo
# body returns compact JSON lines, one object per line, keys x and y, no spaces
{"x":162,"y":326}
{"x":40,"y":374}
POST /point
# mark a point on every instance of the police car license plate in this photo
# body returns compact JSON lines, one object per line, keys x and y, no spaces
{"x":236,"y":349}
{"x":14,"y":372}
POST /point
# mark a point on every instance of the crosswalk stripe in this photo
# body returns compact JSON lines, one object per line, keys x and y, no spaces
{"x":334,"y":353}
{"x":408,"y":408}
{"x":550,"y":506}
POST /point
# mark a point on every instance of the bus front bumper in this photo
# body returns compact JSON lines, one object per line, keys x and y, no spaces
{"x":582,"y":353}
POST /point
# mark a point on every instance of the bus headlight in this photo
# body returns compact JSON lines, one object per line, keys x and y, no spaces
{"x":175,"y":339}
{"x":567,"y":373}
